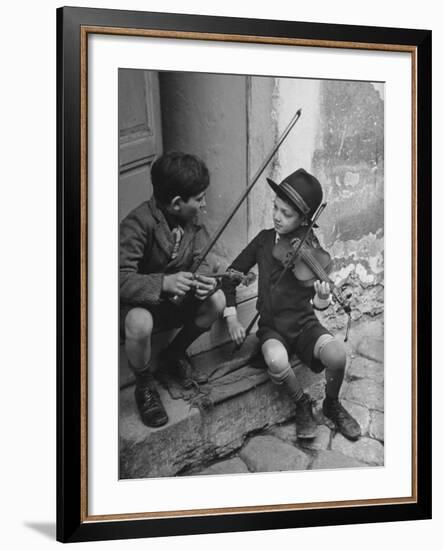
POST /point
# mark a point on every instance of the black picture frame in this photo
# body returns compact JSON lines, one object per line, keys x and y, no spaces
{"x":73,"y":523}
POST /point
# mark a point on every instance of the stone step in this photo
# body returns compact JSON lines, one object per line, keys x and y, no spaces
{"x":241,"y":400}
{"x":213,"y":421}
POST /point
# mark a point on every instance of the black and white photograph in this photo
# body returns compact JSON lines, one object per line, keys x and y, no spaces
{"x":244,"y":256}
{"x":251,"y":274}
{"x":217,"y":305}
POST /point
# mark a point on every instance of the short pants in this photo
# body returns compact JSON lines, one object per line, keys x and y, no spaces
{"x":303,"y":346}
{"x":166,"y":315}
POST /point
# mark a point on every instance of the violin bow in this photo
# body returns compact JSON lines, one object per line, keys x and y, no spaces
{"x":212,"y":242}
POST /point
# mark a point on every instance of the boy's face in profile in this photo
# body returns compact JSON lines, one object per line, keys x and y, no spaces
{"x":286,"y":218}
{"x":188,"y":210}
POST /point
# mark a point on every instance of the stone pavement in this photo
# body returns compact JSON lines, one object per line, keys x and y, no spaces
{"x":249,"y":424}
{"x":277,"y":448}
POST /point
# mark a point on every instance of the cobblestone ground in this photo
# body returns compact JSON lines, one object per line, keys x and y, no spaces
{"x":277,"y":448}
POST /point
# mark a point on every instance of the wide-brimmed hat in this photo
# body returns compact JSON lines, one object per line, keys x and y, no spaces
{"x":302,"y":190}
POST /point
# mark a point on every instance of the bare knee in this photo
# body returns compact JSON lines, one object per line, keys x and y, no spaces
{"x":275,"y":356}
{"x":333,"y":355}
{"x":217,"y":302}
{"x":213,"y":307}
{"x":138,"y":324}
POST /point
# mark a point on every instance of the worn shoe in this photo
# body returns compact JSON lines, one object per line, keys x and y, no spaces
{"x":150,"y":407}
{"x":344,"y":422}
{"x":180,"y":368}
{"x":304,"y":419}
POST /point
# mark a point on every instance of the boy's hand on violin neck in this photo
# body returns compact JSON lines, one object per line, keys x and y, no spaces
{"x":179,"y":283}
{"x":322,"y":290}
{"x":235,"y":329}
{"x":203,"y":286}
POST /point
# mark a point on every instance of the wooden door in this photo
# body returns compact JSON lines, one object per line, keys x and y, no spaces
{"x":140,"y":136}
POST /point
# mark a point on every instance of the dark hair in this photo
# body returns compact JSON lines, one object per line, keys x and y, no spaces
{"x":178,"y":174}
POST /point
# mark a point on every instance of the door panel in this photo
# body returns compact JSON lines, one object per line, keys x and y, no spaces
{"x":140,"y":136}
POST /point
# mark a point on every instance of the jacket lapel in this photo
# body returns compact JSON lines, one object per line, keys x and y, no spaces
{"x":162,"y":233}
{"x":183,"y":257}
{"x":165,"y":239}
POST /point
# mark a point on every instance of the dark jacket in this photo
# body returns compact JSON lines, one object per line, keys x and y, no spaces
{"x":286,"y":308}
{"x":146,"y":244}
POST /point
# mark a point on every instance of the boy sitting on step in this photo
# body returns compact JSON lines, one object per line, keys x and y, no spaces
{"x":287,"y":320}
{"x":159,"y":242}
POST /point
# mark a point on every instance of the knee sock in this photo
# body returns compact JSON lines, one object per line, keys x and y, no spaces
{"x":333,"y":357}
{"x":143,"y":375}
{"x":293,"y":387}
{"x":334,"y":379}
{"x":185,"y":337}
{"x":290,"y":382}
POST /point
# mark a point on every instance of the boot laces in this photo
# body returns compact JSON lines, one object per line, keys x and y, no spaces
{"x":338,"y":411}
{"x":149,"y":396}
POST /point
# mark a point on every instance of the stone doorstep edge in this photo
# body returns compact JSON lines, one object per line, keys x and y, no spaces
{"x":200,"y":437}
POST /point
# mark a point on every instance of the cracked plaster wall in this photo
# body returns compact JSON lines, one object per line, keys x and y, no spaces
{"x":349,"y":158}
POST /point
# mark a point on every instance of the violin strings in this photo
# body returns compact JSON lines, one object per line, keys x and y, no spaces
{"x":321,"y":273}
{"x":315,"y":267}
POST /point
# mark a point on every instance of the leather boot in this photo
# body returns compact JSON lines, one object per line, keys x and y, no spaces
{"x":304,"y":418}
{"x":344,"y":422}
{"x":150,"y":407}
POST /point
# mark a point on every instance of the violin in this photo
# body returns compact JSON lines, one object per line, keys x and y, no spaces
{"x":311,"y":263}
{"x":301,"y":253}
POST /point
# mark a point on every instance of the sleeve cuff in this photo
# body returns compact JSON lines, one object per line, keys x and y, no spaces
{"x":321,"y":304}
{"x":229,"y":311}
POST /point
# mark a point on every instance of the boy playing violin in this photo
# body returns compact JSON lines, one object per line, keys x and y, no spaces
{"x":288,"y":322}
